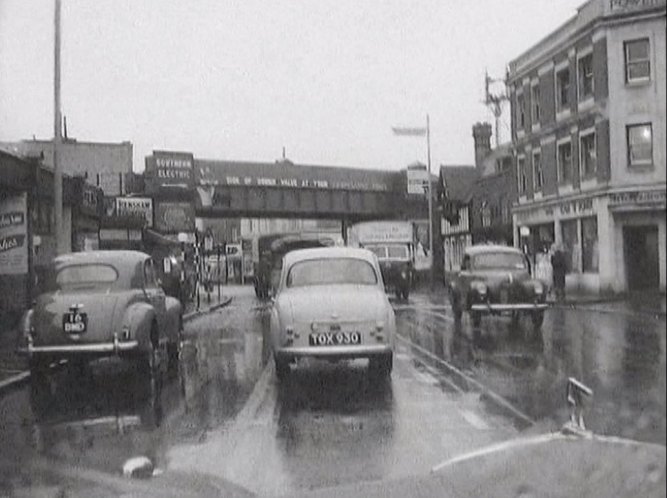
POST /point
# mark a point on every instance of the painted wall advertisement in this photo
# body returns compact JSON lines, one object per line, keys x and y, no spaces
{"x":171,"y":168}
{"x":13,"y":235}
{"x":174,"y":217}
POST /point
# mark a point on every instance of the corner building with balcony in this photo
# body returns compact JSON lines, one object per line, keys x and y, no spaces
{"x":588,"y":129}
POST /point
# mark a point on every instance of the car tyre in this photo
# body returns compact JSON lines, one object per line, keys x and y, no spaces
{"x":39,"y":371}
{"x":282,"y":368}
{"x":538,"y":318}
{"x":382,"y":365}
{"x":174,"y":349}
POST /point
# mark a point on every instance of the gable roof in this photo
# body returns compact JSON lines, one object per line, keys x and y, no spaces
{"x":458,"y":182}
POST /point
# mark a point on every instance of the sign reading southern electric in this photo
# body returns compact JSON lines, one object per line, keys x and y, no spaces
{"x":171,"y":168}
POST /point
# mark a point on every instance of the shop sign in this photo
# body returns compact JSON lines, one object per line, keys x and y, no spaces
{"x":13,"y":235}
{"x":581,"y":206}
{"x":172,"y":168}
{"x":174,"y":217}
{"x":250,"y":181}
{"x":89,"y":202}
{"x":625,"y":5}
{"x":135,"y":206}
{"x":417,"y":181}
{"x":637,"y":197}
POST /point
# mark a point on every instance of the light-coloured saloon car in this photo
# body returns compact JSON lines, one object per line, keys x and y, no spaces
{"x":330,"y":303}
{"x":101,"y":303}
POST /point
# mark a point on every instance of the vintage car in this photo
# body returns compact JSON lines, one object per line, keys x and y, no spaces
{"x":396,"y":266}
{"x":494,"y":280}
{"x":102,"y":303}
{"x":331,"y":304}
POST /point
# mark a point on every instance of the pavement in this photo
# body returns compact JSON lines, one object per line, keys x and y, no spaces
{"x":14,"y":368}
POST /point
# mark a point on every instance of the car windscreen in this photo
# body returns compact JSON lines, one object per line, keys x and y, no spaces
{"x":490,"y":260}
{"x":91,"y":275}
{"x":330,"y":271}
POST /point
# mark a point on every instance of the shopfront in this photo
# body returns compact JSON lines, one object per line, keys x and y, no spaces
{"x":614,"y":241}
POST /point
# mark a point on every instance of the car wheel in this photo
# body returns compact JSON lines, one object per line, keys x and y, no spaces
{"x":174,"y":349}
{"x":39,"y":370}
{"x":538,"y":319}
{"x":382,"y":365}
{"x":476,"y":319}
{"x":282,"y":368}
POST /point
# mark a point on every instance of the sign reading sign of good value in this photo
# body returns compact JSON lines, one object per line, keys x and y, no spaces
{"x":13,"y":235}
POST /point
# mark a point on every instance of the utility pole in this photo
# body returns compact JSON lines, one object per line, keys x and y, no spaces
{"x":430,"y":199}
{"x":57,"y":136}
{"x":494,"y":102}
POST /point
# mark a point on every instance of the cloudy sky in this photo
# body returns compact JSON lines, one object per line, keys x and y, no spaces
{"x":326,"y":79}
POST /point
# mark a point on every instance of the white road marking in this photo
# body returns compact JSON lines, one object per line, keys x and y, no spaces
{"x":494,"y":396}
{"x":474,"y":420}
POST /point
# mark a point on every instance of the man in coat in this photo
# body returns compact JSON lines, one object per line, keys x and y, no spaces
{"x":559,"y":269}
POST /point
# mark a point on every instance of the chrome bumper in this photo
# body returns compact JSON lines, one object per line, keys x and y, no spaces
{"x":101,"y":348}
{"x":508,"y":307}
{"x":361,"y":351}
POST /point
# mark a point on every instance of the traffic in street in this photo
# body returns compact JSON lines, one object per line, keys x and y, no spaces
{"x":454,"y":389}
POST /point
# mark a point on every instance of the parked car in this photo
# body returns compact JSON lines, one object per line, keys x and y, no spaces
{"x":102,"y":303}
{"x":496,"y":280}
{"x":330,"y":303}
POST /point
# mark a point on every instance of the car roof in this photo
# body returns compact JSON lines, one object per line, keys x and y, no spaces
{"x":118,"y":258}
{"x":328,"y":252}
{"x":486,"y":248}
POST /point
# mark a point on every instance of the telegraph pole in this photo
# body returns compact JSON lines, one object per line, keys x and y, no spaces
{"x":430,"y":198}
{"x":57,"y":136}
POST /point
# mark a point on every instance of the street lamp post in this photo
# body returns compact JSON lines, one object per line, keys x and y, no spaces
{"x":57,"y":133}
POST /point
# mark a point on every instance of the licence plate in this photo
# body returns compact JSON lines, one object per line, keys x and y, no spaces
{"x":75,"y":322}
{"x":334,"y":338}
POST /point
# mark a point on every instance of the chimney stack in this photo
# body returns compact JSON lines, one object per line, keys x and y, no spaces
{"x":481,"y":133}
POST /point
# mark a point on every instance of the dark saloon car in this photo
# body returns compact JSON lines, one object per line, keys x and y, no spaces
{"x":496,"y":280}
{"x":102,"y":303}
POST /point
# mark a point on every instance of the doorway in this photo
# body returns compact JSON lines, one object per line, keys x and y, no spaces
{"x":641,"y":254}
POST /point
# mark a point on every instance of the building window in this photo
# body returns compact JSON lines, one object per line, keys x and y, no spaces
{"x":588,"y":159}
{"x":535,"y":103}
{"x":564,"y":163}
{"x":538,"y":178}
{"x":640,"y":144}
{"x":571,"y":246}
{"x":521,"y":174}
{"x":589,"y":245}
{"x":521,"y":110}
{"x":562,"y":89}
{"x":637,"y":62}
{"x":585,"y":72}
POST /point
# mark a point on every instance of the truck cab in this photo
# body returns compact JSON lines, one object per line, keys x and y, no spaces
{"x":396,"y":265}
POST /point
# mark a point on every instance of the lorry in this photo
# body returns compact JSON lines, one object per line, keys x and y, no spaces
{"x":395,"y":244}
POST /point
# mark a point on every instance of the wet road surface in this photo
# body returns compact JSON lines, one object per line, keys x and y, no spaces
{"x":453,"y":389}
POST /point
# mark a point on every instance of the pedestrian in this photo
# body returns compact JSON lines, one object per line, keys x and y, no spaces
{"x":559,"y":269}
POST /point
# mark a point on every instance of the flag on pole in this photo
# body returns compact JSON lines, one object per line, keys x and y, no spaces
{"x":409,"y":132}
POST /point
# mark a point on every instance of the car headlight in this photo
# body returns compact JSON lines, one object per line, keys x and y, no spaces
{"x":479,"y":287}
{"x":539,"y":288}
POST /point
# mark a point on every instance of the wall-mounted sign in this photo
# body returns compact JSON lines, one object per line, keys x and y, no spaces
{"x":90,"y":200}
{"x":417,"y":181}
{"x":135,"y":206}
{"x":637,"y":198}
{"x":622,"y":5}
{"x":171,"y":168}
{"x":13,"y":235}
{"x":174,"y":217}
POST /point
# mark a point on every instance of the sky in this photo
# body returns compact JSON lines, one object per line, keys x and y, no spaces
{"x":240,"y":80}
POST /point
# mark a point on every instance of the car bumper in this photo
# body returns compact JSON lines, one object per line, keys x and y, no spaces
{"x":339,"y":352}
{"x":114,"y":347}
{"x":497,"y":307}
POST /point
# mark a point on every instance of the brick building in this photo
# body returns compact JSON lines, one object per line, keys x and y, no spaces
{"x":588,"y":127}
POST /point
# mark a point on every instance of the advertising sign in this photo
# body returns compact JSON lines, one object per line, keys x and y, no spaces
{"x":13,"y":235}
{"x":174,"y":217}
{"x":417,"y":181}
{"x":383,"y":231}
{"x":139,"y":206}
{"x":171,"y":168}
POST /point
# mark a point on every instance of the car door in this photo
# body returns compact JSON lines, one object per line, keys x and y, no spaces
{"x":155,"y":294}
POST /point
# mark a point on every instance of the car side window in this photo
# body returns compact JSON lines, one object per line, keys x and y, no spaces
{"x":150,"y":279}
